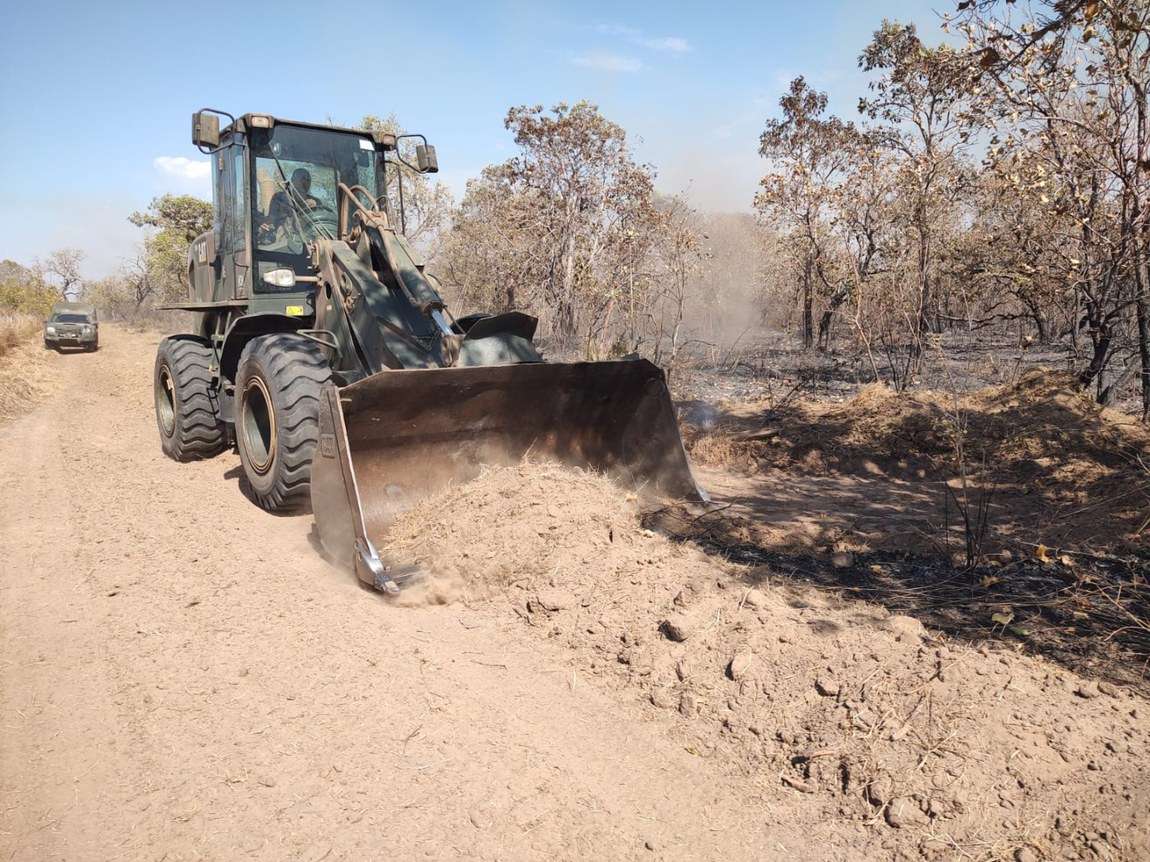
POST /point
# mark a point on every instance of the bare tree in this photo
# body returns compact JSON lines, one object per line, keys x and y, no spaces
{"x":564,"y":226}
{"x":1065,"y":84}
{"x":807,"y":153}
{"x":61,"y":270}
{"x":920,"y":93}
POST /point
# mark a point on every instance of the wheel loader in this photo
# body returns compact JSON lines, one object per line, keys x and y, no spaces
{"x":325,"y":355}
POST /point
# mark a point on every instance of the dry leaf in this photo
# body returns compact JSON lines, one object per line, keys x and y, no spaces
{"x":989,"y":581}
{"x":1066,"y":560}
{"x":1043,"y":555}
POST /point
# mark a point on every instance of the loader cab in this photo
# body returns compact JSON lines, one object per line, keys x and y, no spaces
{"x":275,"y":192}
{"x":295,"y":173}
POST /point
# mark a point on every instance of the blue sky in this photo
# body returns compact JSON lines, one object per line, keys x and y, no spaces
{"x":96,"y":97}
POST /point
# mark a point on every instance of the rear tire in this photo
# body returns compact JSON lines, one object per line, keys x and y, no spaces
{"x":278,"y":385}
{"x":187,"y":409}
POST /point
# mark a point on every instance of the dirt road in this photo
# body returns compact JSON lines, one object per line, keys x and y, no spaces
{"x":181,"y":677}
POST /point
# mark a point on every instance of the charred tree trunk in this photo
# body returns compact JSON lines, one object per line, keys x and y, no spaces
{"x":808,"y":303}
{"x":1042,"y":330}
{"x":1141,"y":285}
{"x":1102,"y":337}
{"x":828,"y":315}
{"x":924,"y":298}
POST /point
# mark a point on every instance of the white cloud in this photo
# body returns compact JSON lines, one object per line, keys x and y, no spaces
{"x":604,"y":62}
{"x":669,"y":44}
{"x":618,"y":30}
{"x":183,"y":168}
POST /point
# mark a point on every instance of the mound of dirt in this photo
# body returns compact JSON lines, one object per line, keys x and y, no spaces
{"x":1047,"y":457}
{"x":924,"y":744}
{"x":536,"y":525}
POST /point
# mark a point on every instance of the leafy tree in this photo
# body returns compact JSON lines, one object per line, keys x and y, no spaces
{"x":24,"y":290}
{"x":426,"y":204}
{"x":569,"y":222}
{"x":183,"y":216}
{"x":920,"y":94}
{"x":159,"y":271}
{"x":808,"y":153}
{"x":1065,"y":85}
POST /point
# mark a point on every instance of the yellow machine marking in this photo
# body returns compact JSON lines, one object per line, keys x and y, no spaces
{"x":295,"y":310}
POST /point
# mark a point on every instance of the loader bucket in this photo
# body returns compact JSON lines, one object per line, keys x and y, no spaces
{"x":396,"y":436}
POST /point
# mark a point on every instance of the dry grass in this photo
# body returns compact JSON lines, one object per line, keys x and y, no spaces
{"x":16,"y":327}
{"x":25,"y":373}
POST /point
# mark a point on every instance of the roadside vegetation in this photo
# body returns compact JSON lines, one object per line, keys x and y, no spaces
{"x":992,"y":187}
{"x":16,"y":328}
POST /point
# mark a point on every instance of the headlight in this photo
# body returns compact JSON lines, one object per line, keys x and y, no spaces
{"x":280,"y":278}
{"x":51,"y":330}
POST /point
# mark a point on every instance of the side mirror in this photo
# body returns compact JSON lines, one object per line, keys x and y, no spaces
{"x":425,"y":159}
{"x":205,"y":130}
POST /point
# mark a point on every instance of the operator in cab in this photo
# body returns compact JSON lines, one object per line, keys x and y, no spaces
{"x":280,"y":210}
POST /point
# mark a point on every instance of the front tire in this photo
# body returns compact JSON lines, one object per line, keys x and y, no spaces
{"x":278,"y":385}
{"x":187,"y":409}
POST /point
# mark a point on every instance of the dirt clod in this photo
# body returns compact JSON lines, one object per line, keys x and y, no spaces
{"x":880,"y":789}
{"x":905,"y":627}
{"x":555,"y":600}
{"x":1087,"y":689}
{"x":742,"y":665}
{"x":827,"y":686}
{"x":755,"y":599}
{"x":904,"y":812}
{"x":677,"y":628}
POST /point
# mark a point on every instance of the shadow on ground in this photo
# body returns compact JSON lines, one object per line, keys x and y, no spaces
{"x":1016,"y":513}
{"x":1089,"y":613}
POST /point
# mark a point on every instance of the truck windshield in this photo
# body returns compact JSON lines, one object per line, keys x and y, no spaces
{"x":296,"y":173}
{"x":69,"y":318}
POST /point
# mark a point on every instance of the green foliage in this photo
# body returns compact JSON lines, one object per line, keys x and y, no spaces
{"x":183,"y":215}
{"x":25,"y":290}
{"x":160,"y":271}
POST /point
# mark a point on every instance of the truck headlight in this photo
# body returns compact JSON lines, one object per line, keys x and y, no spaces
{"x":51,"y":330}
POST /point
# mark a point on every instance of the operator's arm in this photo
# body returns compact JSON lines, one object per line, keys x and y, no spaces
{"x":279,"y":210}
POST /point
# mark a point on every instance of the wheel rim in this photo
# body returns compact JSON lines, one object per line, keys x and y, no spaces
{"x":166,"y":401}
{"x":259,"y":426}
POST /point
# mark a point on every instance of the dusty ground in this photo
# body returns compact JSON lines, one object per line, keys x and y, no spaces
{"x":906,"y":741}
{"x":182,"y":677}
